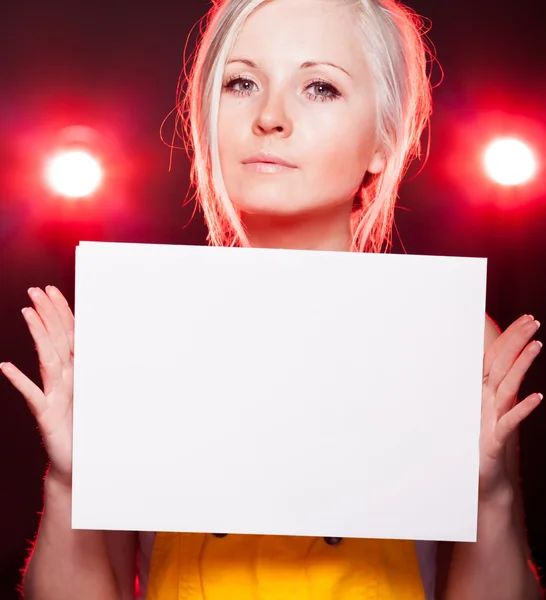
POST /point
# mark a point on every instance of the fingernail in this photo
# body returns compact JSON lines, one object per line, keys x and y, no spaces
{"x":536,"y":347}
{"x":541,"y":396}
{"x":537,"y":323}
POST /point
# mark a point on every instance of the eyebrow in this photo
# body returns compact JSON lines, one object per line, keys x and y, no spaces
{"x":306,"y":65}
{"x":309,"y":64}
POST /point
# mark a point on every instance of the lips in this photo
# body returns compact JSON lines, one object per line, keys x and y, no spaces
{"x":268,"y":158}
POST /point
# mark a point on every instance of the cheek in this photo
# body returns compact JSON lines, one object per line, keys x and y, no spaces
{"x":340,"y":150}
{"x":234,"y":131}
{"x":226,"y":133}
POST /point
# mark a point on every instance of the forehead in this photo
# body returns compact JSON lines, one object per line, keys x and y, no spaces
{"x":295,"y":31}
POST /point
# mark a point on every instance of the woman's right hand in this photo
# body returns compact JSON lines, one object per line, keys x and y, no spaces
{"x":51,"y":324}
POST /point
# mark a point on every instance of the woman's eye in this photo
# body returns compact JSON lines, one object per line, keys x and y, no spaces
{"x":317,"y":90}
{"x":240,"y":86}
{"x":322,"y":91}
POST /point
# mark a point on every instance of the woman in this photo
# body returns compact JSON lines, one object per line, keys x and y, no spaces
{"x":303,"y":116}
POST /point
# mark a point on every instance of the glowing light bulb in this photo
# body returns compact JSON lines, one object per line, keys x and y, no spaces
{"x":510,"y":162}
{"x":74,"y":173}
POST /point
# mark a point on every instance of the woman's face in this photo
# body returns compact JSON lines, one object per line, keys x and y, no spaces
{"x":297,"y":90}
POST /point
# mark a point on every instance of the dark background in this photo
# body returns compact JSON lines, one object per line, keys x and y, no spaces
{"x":114,"y":66}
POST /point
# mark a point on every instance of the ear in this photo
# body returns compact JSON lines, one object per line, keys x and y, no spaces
{"x":377,"y":163}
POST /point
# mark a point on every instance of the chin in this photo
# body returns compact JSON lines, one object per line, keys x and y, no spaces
{"x":271,"y":202}
{"x":290,"y":207}
{"x":273,"y":208}
{"x":282,"y":199}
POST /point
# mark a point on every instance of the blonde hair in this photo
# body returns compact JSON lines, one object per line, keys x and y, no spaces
{"x":393,"y":37}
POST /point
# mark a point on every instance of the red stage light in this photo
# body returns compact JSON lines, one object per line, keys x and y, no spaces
{"x":510,"y":162}
{"x":74,"y":173}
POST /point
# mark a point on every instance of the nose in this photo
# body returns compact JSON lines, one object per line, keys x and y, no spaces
{"x":272,"y":117}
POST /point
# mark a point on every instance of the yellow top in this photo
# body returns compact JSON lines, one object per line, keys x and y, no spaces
{"x":189,"y":566}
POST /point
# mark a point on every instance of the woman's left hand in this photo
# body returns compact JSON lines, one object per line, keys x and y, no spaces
{"x":506,"y":362}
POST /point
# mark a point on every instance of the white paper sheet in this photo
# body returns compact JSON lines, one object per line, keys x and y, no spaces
{"x":277,"y":392}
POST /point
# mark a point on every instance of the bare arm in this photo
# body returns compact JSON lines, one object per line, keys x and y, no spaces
{"x":67,"y":563}
{"x":498,"y":565}
{"x":122,"y":553}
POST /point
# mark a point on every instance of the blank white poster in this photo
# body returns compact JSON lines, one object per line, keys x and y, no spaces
{"x":277,"y":391}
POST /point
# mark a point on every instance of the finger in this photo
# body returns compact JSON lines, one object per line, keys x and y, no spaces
{"x":31,"y":392}
{"x":52,"y":323}
{"x":509,"y":386}
{"x":511,"y":420}
{"x":64,"y":312}
{"x":50,"y":363}
{"x":497,"y":345}
{"x":515,"y":341}
{"x":495,"y":348}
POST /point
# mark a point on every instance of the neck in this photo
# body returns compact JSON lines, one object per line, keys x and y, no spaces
{"x":321,"y":230}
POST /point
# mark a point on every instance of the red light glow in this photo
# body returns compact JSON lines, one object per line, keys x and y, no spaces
{"x":74,"y":174}
{"x":510,"y":162}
